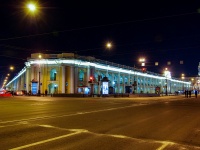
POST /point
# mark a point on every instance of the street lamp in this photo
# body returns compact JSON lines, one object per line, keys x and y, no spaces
{"x":167,"y":74}
{"x":108,"y":45}
{"x":33,"y":10}
{"x":31,"y":7}
{"x":11,"y":68}
{"x":39,"y":93}
{"x":182,"y":76}
{"x":142,"y":61}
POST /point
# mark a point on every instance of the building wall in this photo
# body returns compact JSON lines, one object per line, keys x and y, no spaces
{"x":67,"y":77}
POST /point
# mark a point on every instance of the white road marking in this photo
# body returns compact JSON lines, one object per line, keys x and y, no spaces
{"x":23,"y":122}
{"x":165,"y":144}
{"x":68,"y":115}
{"x":120,"y":136}
{"x":18,"y":123}
{"x":47,"y":126}
{"x":71,"y":130}
{"x":45,"y":141}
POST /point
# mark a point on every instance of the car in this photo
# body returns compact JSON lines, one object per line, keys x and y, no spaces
{"x":4,"y":93}
{"x":25,"y":92}
{"x":19,"y":93}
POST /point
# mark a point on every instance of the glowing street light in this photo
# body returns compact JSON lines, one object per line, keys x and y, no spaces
{"x":31,"y":7}
{"x":142,"y":61}
{"x":39,"y":56}
{"x":11,"y":68}
{"x":167,"y":74}
{"x":39,"y":92}
{"x":108,"y":45}
{"x":183,"y":76}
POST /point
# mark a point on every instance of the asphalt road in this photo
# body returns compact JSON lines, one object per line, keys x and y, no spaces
{"x":49,"y":123}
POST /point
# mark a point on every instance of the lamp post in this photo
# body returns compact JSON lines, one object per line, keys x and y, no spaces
{"x":108,"y":45}
{"x":39,"y":83}
{"x":39,"y":93}
{"x":11,"y":68}
{"x":32,"y":8}
{"x":183,"y":77}
{"x":142,"y":61}
{"x":192,"y":83}
{"x":167,"y":74}
{"x":32,"y":11}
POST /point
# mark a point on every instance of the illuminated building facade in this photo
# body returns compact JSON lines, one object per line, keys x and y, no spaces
{"x":70,"y":73}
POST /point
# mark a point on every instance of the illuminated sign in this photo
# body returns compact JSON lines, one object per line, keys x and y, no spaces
{"x":34,"y":88}
{"x":105,"y":88}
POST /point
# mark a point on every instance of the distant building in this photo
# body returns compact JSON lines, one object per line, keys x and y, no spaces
{"x":195,"y":80}
{"x":70,"y":73}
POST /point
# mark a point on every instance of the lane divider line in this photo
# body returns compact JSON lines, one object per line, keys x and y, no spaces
{"x":69,"y":115}
{"x":164,"y":144}
{"x":45,"y":141}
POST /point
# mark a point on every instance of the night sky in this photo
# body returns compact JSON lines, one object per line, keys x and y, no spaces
{"x":159,"y":31}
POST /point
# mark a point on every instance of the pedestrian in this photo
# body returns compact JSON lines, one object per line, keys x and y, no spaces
{"x":187,"y":93}
{"x":46,"y":92}
{"x":195,"y":93}
{"x":190,"y":93}
{"x":29,"y":93}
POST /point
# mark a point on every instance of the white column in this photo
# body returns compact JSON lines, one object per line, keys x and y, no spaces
{"x":32,"y":73}
{"x":63,"y":79}
{"x":22,"y":82}
{"x":123,"y":84}
{"x":73,"y":80}
{"x":107,"y":73}
{"x":99,"y":84}
{"x":136,"y":79}
{"x":118,"y":82}
{"x":88,"y":75}
{"x":28,"y":79}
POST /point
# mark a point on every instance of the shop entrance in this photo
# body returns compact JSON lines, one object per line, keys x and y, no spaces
{"x":53,"y":88}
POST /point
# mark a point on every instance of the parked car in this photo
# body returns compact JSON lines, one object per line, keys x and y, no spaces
{"x":19,"y":93}
{"x":25,"y":92}
{"x":4,"y":93}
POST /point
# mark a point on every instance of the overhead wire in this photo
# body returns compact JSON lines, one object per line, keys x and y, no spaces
{"x":97,"y":26}
{"x":90,"y":27}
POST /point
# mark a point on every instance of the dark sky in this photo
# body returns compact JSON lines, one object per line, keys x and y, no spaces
{"x":160,"y":31}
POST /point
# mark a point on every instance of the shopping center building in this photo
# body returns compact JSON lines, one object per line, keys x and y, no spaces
{"x":71,"y":73}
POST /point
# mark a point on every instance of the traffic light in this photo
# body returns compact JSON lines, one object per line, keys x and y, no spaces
{"x":91,"y":79}
{"x":144,"y":70}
